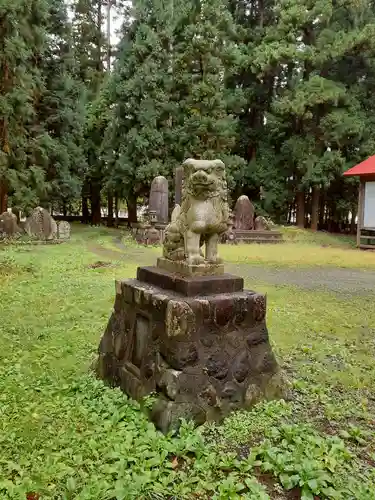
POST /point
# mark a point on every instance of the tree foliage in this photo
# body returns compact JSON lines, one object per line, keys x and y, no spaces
{"x":281,"y":91}
{"x":135,"y":145}
{"x":311,"y":59}
{"x":41,"y":107}
{"x":22,"y":43}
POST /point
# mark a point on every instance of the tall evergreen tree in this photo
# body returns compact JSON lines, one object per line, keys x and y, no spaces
{"x":315,"y":118}
{"x":90,"y":48}
{"x":204,"y":53}
{"x":22,"y":44}
{"x":135,"y":140}
{"x":61,"y":111}
{"x":252,"y":20}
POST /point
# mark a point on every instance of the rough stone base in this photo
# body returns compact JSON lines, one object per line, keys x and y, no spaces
{"x":203,"y":355}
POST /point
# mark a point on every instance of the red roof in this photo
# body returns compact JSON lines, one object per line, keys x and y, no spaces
{"x":367,"y":167}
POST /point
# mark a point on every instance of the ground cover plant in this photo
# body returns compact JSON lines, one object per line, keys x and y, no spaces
{"x":64,"y":435}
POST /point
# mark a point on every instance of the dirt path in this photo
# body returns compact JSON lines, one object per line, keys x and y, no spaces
{"x":338,"y":280}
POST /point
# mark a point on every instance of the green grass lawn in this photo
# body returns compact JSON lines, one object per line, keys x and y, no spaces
{"x":64,"y":435}
{"x":303,"y":248}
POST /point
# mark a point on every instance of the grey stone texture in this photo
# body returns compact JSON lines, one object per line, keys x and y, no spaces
{"x":63,"y":230}
{"x":186,"y":330}
{"x":244,"y":214}
{"x":202,"y":217}
{"x":204,"y":354}
{"x":146,"y":234}
{"x":41,"y":225}
{"x":261,"y":224}
{"x":178,"y":180}
{"x":158,"y":202}
{"x":246,"y":229}
{"x":8,"y":225}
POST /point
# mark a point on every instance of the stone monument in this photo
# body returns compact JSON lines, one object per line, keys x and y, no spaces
{"x":9,"y":226}
{"x":158,"y":202}
{"x":248,"y":229}
{"x":179,"y":180}
{"x":244,"y":214}
{"x":63,"y":230}
{"x":41,"y":225}
{"x":184,"y":328}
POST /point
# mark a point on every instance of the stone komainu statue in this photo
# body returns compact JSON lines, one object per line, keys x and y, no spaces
{"x":203,"y":215}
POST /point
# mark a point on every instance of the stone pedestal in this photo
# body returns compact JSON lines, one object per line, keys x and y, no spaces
{"x":185,"y":269}
{"x":200,"y":342}
{"x":253,"y":236}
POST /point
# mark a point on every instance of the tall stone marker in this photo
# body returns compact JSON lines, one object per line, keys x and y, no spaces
{"x":178,"y":180}
{"x":159,"y":199}
{"x":184,"y":328}
{"x":244,"y":214}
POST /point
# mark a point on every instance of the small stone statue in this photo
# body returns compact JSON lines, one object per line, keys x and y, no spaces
{"x":261,"y":224}
{"x":186,"y":330}
{"x":202,"y":217}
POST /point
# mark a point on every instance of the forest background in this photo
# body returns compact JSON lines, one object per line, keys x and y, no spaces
{"x":282,"y":91}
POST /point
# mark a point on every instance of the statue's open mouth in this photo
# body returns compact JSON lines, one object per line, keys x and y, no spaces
{"x":202,"y":184}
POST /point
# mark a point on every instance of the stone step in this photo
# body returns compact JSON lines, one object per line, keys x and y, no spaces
{"x":259,"y":241}
{"x":257,"y":234}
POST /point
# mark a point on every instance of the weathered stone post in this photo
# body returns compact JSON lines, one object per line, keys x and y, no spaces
{"x":184,"y":328}
{"x":159,"y":199}
{"x":179,"y":179}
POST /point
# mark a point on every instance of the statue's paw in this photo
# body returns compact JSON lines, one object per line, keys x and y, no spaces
{"x":215,"y":260}
{"x":196,"y":260}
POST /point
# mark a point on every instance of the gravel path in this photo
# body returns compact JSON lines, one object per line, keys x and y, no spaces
{"x":338,"y":280}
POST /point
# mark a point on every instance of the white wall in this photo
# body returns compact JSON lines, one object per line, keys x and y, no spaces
{"x":369,"y":218}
